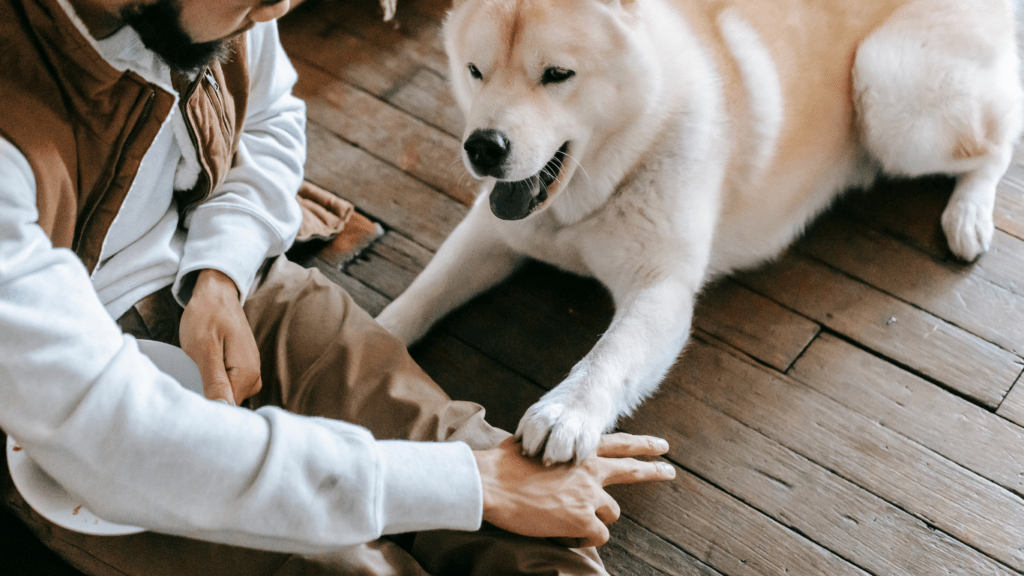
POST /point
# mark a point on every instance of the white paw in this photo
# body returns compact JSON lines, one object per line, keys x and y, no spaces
{"x":562,"y":431}
{"x":968,"y":229}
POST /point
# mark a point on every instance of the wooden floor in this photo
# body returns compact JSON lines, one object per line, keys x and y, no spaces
{"x":849,"y":409}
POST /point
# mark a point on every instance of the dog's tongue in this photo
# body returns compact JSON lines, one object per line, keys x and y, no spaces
{"x":513,"y":200}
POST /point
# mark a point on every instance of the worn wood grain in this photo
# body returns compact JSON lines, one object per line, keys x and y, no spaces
{"x":1009,"y":209}
{"x":1012,"y":407}
{"x":823,"y":506}
{"x":754,"y":324}
{"x":950,"y":292}
{"x":959,"y":502}
{"x":908,"y":335}
{"x":426,"y":96}
{"x":635,"y":551}
{"x":959,"y":430}
{"x":379,"y":189}
{"x":723,"y":532}
{"x":386,"y":132}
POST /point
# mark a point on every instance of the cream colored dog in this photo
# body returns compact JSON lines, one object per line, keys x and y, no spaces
{"x":655,"y":144}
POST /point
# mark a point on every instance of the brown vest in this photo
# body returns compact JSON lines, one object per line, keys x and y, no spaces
{"x":84,"y":126}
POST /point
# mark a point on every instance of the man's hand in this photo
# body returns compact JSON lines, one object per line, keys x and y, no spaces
{"x":565,"y":501}
{"x":216,"y":335}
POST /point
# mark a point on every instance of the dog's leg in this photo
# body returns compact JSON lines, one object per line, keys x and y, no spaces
{"x":937,"y":90}
{"x":649,"y":329}
{"x":471,"y":260}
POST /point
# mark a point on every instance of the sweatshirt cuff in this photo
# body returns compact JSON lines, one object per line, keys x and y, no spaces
{"x":429,"y":486}
{"x":231,"y":241}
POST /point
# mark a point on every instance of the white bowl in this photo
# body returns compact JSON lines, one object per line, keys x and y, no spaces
{"x":54,"y":503}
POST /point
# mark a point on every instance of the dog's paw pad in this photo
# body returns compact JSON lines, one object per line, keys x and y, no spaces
{"x":968,"y":229}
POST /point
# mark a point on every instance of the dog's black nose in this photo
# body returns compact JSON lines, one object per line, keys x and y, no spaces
{"x":487,"y":151}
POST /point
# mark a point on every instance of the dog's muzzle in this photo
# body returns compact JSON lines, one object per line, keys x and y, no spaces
{"x":516,"y":200}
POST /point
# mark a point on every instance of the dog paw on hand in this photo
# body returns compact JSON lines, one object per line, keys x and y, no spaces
{"x":560,"y":432}
{"x":968,"y":229}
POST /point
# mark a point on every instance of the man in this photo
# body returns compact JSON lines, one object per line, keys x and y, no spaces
{"x":149,"y":155}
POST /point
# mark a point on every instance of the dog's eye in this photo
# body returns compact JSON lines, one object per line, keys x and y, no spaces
{"x":475,"y":72}
{"x":554,"y":75}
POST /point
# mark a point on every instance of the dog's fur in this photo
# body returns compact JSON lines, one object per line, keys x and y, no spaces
{"x":703,"y":135}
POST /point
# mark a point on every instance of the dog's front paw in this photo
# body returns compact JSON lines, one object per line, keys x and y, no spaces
{"x":561,"y":431}
{"x":968,"y":228}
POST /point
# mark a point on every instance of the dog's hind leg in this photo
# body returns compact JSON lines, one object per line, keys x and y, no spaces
{"x":471,"y":260}
{"x":937,"y":90}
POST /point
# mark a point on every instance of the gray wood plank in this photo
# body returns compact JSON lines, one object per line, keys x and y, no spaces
{"x":950,"y":292}
{"x":959,"y":502}
{"x":754,"y":324}
{"x":1012,"y":407}
{"x":959,"y":430}
{"x":823,"y":506}
{"x":908,"y":335}
{"x":723,"y":532}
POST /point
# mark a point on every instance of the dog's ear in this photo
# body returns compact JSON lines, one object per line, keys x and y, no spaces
{"x":612,"y":3}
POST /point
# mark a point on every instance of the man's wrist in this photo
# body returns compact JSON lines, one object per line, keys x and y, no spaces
{"x":208,"y":281}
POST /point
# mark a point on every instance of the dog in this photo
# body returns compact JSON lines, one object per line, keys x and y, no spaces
{"x":658,"y":144}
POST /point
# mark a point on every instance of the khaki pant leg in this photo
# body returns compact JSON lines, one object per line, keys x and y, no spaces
{"x":323,"y":355}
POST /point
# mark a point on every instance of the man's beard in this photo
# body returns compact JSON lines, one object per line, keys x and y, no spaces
{"x":159,"y":26}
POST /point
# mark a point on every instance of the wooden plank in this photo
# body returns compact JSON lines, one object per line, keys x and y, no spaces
{"x":380,"y":190}
{"x":1012,"y":407}
{"x":344,"y":56}
{"x":426,"y":96}
{"x":415,"y":32}
{"x":723,"y":532}
{"x":1003,"y":264}
{"x":1009,"y":209}
{"x":950,"y":292}
{"x":840,"y":516}
{"x":958,"y":430}
{"x":636,"y":551}
{"x":466,"y":374}
{"x":402,"y":252}
{"x":367,"y":298}
{"x":972,"y":509}
{"x":910,"y":210}
{"x":754,"y":324}
{"x":394,"y":136}
{"x":914,"y":338}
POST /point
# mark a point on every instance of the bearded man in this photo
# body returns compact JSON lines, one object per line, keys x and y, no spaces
{"x":149,"y":156}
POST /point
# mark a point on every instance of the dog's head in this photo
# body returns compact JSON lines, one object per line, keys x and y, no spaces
{"x":540,"y":82}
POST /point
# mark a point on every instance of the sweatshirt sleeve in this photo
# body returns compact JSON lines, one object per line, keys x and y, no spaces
{"x":139,"y":449}
{"x":253,"y":214}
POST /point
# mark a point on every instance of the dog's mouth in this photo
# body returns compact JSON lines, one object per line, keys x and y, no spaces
{"x":517,"y":200}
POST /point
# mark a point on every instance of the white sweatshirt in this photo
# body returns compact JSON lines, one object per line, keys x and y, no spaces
{"x":138,"y":449}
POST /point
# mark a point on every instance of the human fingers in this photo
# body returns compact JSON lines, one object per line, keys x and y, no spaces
{"x":216,"y":384}
{"x":242,"y":364}
{"x":630,"y":471}
{"x":622,"y":445}
{"x":597,"y":535}
{"x":609,"y":512}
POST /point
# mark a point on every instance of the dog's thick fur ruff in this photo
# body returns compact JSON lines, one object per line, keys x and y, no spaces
{"x":702,"y":136}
